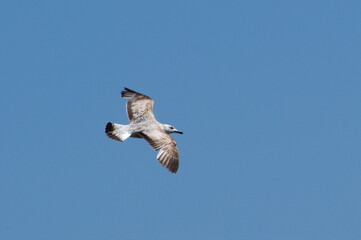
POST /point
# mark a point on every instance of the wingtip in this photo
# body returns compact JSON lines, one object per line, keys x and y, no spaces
{"x":126,"y":92}
{"x":171,"y":166}
{"x":173,"y":171}
{"x":129,"y":93}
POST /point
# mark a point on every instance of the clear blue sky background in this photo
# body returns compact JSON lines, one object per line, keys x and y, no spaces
{"x":268,"y":94}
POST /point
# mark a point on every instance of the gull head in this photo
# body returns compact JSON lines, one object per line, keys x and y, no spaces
{"x":170,"y":129}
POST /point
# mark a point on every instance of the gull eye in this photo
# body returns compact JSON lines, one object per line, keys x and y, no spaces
{"x":171,"y":127}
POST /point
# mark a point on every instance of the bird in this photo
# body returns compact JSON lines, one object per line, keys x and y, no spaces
{"x":143,"y":124}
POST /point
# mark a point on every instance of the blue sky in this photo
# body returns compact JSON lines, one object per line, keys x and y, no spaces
{"x":267,"y":93}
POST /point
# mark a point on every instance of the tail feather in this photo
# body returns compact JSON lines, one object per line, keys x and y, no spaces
{"x":117,"y":132}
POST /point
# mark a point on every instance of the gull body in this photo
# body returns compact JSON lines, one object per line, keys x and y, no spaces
{"x":142,"y":124}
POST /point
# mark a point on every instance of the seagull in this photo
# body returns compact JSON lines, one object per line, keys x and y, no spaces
{"x":142,"y":124}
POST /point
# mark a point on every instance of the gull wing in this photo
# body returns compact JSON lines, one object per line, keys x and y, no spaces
{"x":168,"y":154}
{"x":139,"y":107}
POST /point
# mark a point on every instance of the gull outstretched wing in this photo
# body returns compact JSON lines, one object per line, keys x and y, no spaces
{"x":139,"y":107}
{"x":168,"y":154}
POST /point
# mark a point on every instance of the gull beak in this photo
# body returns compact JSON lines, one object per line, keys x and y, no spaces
{"x":179,"y":132}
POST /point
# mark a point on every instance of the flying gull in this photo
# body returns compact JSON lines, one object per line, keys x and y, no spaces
{"x":142,"y":124}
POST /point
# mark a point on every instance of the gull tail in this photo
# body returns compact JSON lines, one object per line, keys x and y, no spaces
{"x":117,"y":132}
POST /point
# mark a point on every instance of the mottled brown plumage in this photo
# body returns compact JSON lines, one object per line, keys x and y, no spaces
{"x":139,"y":107}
